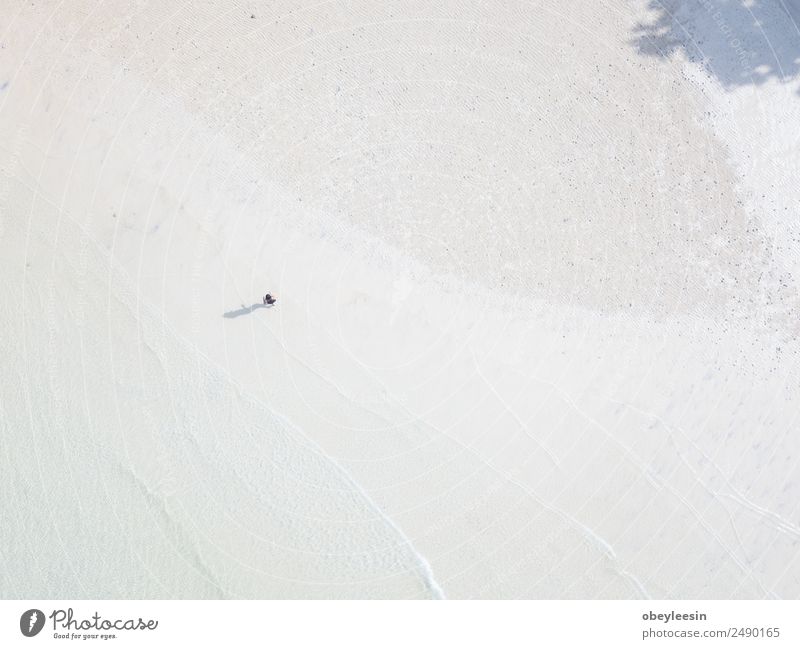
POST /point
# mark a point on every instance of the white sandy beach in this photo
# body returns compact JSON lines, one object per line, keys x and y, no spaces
{"x":538,"y":312}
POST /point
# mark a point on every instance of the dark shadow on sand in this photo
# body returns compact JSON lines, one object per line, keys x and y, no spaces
{"x":246,"y":309}
{"x":739,"y":42}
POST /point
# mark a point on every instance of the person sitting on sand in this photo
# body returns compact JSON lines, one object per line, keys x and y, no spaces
{"x":268,"y":299}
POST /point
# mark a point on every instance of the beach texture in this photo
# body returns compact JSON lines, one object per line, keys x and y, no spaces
{"x":536,"y":330}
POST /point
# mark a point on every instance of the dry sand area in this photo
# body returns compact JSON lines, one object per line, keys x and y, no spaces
{"x":537,"y":273}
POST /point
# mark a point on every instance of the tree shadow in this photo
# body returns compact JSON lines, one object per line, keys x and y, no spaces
{"x":738,"y":42}
{"x":246,"y":310}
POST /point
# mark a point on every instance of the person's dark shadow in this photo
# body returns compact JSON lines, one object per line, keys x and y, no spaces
{"x":246,"y":309}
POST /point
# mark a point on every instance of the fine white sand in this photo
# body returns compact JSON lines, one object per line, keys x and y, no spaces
{"x":537,"y":319}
